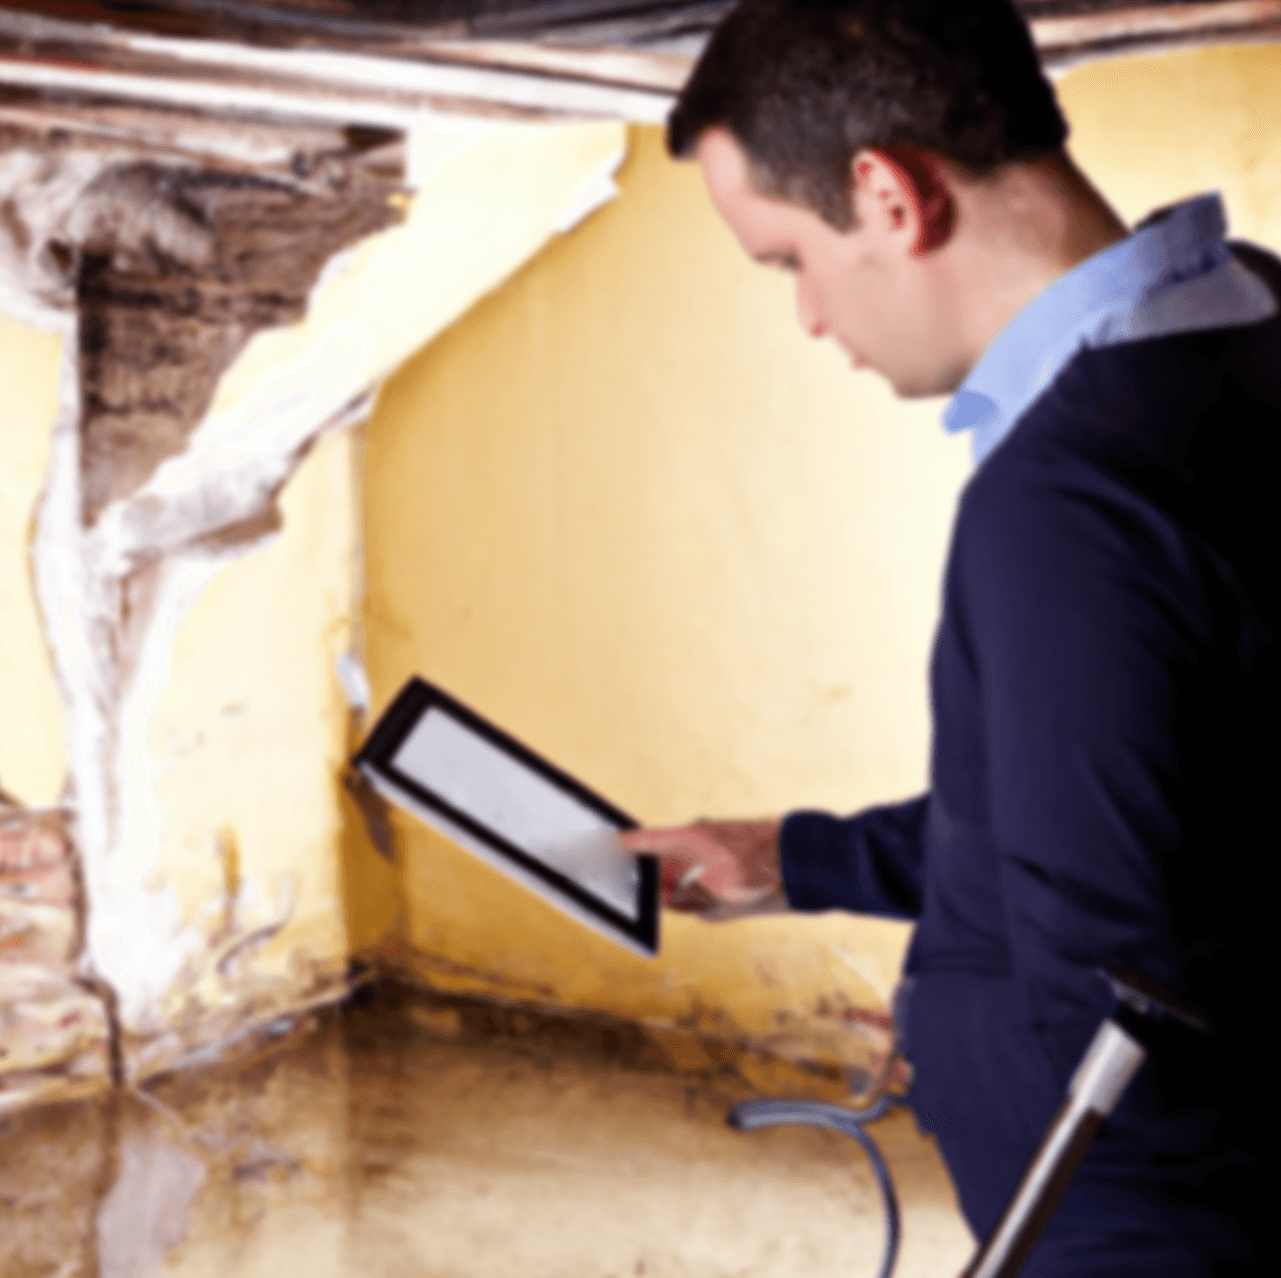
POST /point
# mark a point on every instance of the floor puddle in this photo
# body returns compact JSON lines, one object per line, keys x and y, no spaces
{"x":384,"y":1140}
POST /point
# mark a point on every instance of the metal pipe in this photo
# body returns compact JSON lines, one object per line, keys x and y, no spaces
{"x":1112,"y":1060}
{"x":1115,"y":1055}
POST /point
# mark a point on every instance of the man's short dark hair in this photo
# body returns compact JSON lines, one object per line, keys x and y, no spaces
{"x":805,"y":84}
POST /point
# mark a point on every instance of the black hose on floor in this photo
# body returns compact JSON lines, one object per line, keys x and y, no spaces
{"x":774,"y":1113}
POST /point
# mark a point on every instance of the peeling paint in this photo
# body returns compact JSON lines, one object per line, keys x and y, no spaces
{"x":136,"y":938}
{"x":597,"y":190}
{"x":39,"y":190}
{"x":137,"y":519}
{"x":115,"y":574}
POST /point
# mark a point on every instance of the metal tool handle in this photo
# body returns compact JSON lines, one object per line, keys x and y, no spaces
{"x":1113,"y":1059}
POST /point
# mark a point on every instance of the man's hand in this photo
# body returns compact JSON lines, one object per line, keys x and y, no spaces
{"x":720,"y":869}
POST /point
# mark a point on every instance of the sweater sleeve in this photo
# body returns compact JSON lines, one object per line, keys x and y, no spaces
{"x":871,"y":863}
{"x":1087,"y":611}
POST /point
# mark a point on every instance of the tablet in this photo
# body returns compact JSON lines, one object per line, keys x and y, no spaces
{"x":493,"y":796}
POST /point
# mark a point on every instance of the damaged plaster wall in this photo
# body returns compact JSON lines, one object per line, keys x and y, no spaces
{"x":154,"y":266}
{"x":32,"y":752}
{"x":689,"y":556}
{"x":120,"y":552}
{"x":630,"y":538}
{"x":47,"y":1019}
{"x":250,"y":728}
{"x":204,"y":724}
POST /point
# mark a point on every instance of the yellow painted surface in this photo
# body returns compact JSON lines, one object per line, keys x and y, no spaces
{"x":485,"y":203}
{"x":622,"y":507}
{"x":32,"y":747}
{"x":245,"y":723}
{"x":628,"y":512}
{"x":1159,"y":129}
{"x":250,"y":729}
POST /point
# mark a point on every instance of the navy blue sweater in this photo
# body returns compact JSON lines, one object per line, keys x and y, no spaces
{"x":1104,"y":765}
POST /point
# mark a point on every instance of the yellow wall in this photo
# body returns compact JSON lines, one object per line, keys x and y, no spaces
{"x":1154,"y":130}
{"x":248,"y":733}
{"x":624,"y":508}
{"x":32,"y":750}
{"x":251,"y":729}
{"x":627,"y":511}
{"x":235,"y":730}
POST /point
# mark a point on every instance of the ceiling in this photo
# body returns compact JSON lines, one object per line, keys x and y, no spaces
{"x":378,"y":62}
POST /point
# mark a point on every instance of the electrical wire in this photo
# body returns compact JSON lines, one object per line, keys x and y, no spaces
{"x":774,"y":1113}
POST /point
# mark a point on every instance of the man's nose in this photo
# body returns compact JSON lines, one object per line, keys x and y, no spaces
{"x":808,"y":311}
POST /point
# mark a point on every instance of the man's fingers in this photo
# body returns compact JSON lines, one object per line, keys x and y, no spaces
{"x":711,"y":862}
{"x":684,"y":854}
{"x":693,"y":868}
{"x":680,"y":874}
{"x":691,"y":876}
{"x":684,"y":879}
{"x":673,"y":841}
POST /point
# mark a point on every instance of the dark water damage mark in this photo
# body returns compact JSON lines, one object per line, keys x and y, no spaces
{"x":178,"y":268}
{"x":169,"y":238}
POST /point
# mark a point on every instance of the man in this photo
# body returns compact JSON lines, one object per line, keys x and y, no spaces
{"x":1104,"y":679}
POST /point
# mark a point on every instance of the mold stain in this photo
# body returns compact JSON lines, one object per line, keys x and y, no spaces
{"x":409,"y":1134}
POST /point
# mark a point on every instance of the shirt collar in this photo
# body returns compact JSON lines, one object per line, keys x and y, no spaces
{"x":1173,"y":274}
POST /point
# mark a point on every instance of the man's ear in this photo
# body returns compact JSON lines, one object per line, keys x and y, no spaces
{"x":909,"y":183}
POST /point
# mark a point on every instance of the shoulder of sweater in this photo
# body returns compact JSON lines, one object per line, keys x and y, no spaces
{"x":1081,"y":456}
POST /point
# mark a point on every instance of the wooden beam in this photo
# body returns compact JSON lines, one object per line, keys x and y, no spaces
{"x":209,"y":140}
{"x":42,"y":55}
{"x":577,"y":58}
{"x":622,"y":67}
{"x":1134,"y":28}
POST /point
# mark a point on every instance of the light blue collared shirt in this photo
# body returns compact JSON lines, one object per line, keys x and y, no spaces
{"x":1174,"y":274}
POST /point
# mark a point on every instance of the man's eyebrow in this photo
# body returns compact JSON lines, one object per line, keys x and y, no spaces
{"x":775,"y":257}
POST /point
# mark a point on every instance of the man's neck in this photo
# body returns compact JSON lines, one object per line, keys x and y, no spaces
{"x":1017,"y":232}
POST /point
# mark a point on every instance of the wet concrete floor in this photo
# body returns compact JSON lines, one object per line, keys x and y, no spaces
{"x":397,"y":1138}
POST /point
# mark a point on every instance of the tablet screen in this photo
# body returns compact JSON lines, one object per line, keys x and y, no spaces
{"x":495,"y":797}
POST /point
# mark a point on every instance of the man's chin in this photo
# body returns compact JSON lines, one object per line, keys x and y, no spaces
{"x":908,"y":386}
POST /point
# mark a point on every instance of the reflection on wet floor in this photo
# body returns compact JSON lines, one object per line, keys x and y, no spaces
{"x":395,"y":1137}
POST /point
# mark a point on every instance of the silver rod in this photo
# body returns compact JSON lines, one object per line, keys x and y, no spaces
{"x":1112,"y":1060}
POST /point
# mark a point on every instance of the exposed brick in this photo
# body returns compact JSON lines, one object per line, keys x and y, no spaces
{"x":37,"y":933}
{"x":48,"y":1023}
{"x":39,"y":891}
{"x":52,"y":884}
{"x":32,"y":839}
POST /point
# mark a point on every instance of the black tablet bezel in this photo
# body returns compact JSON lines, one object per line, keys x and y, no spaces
{"x":413,"y":701}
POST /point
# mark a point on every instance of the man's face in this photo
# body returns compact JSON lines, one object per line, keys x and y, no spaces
{"x":864,"y":287}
